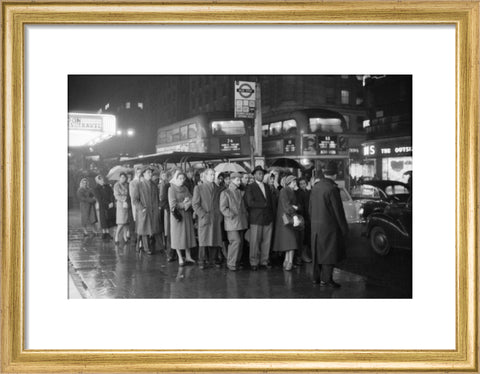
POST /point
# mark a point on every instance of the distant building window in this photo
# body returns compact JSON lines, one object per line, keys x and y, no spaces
{"x":290,"y":127}
{"x":359,"y":100}
{"x":228,"y":128}
{"x":366,"y":123}
{"x":275,"y":128}
{"x":107,"y":106}
{"x":140,"y":105}
{"x":127,"y":105}
{"x":344,"y":76}
{"x":379,"y":113}
{"x":345,"y":97}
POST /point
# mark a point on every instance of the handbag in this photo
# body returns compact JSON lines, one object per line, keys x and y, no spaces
{"x":177,"y":215}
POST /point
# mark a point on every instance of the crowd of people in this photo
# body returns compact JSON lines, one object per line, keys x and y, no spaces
{"x":239,"y":220}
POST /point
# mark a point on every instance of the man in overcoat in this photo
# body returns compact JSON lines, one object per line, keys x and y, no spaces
{"x":146,"y":202}
{"x":234,"y":211}
{"x":260,"y":205}
{"x":206,"y":204}
{"x":329,"y":228}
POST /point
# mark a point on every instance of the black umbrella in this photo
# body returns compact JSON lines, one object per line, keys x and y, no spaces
{"x":287,"y":163}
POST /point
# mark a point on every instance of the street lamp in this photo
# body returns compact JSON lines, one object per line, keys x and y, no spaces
{"x":128,"y":133}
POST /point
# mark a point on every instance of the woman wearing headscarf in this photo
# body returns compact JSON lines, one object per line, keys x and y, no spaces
{"x":106,"y":209}
{"x":87,"y":206}
{"x":287,"y":221}
{"x":181,"y":223}
{"x":120,"y":191}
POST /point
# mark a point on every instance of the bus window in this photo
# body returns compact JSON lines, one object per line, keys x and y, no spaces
{"x":176,"y":135}
{"x":169,"y":136}
{"x":265,"y":130}
{"x":162,"y":137}
{"x":325,"y":125}
{"x":192,"y":131}
{"x":228,"y":128}
{"x":275,"y":128}
{"x":290,"y":127}
{"x":184,"y":132}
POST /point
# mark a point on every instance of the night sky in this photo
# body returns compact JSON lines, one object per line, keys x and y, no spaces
{"x":88,"y":93}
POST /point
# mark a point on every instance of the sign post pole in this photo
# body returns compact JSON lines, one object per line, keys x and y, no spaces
{"x":245,"y":96}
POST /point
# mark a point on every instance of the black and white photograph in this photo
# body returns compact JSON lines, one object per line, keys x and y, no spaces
{"x":240,"y":186}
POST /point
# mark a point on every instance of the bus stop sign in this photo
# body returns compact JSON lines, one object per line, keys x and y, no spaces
{"x":244,"y":99}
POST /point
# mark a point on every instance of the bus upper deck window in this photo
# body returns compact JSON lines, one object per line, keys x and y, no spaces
{"x":162,"y":137}
{"x":265,"y":130}
{"x":192,"y":130}
{"x":184,"y":132}
{"x":290,"y":127}
{"x":319,"y":124}
{"x":228,"y":128}
{"x":275,"y":128}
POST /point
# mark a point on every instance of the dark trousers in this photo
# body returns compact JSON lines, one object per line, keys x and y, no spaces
{"x":208,"y":254}
{"x":323,"y":272}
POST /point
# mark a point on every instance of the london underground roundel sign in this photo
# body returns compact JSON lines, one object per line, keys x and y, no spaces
{"x":245,"y":104}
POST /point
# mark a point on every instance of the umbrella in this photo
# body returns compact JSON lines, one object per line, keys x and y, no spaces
{"x":287,"y":163}
{"x":229,"y":167}
{"x":114,"y":173}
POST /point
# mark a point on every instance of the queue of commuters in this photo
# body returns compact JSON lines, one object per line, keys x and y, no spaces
{"x":238,"y":219}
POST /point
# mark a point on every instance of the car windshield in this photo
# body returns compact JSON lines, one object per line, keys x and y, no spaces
{"x":366,"y":191}
{"x":396,"y":189}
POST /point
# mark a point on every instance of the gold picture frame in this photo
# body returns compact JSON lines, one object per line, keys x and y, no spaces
{"x":463,"y":14}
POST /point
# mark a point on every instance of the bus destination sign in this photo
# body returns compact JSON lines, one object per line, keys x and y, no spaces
{"x":244,"y":99}
{"x":230,"y":144}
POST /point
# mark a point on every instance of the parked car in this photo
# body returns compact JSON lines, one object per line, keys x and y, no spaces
{"x":375,"y":195}
{"x":391,"y":228}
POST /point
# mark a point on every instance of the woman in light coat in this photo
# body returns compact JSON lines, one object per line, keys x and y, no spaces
{"x":120,"y":191}
{"x":182,"y":233}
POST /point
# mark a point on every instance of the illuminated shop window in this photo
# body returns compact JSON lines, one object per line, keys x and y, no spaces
{"x":192,"y":130}
{"x":345,"y":97}
{"x":127,"y":105}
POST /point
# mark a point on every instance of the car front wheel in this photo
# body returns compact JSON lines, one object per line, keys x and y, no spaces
{"x":379,"y":241}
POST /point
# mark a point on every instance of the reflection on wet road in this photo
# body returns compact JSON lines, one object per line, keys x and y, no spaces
{"x":99,"y":269}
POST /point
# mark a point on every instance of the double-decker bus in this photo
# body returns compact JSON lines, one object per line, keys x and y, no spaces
{"x":312,"y":137}
{"x":214,"y":133}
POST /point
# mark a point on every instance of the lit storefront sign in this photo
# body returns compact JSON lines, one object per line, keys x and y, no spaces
{"x":386,"y":151}
{"x":89,"y":129}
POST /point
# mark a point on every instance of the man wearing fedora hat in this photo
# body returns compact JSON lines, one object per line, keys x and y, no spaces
{"x":146,"y":202}
{"x":329,"y":227}
{"x":260,"y":205}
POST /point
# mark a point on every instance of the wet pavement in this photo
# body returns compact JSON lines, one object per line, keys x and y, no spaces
{"x":99,"y":269}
